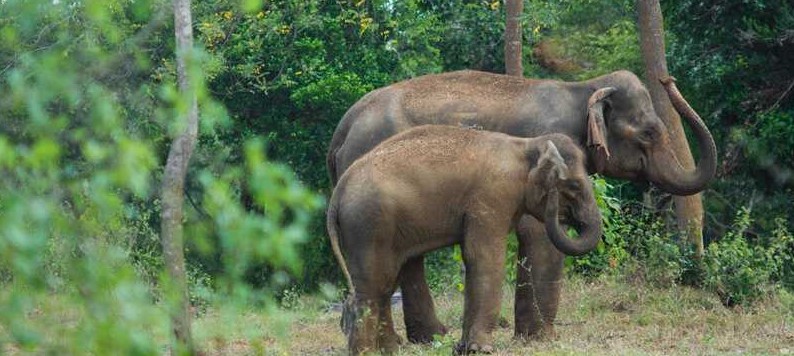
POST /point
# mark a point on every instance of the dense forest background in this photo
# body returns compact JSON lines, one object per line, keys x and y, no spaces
{"x":293,"y":83}
{"x":89,"y":96}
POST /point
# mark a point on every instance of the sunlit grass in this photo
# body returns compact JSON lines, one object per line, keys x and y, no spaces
{"x":604,"y":316}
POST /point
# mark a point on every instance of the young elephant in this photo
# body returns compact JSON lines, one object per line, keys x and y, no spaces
{"x":435,"y":186}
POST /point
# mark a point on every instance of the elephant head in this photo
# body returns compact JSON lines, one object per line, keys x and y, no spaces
{"x":560,"y":189}
{"x":628,"y":140}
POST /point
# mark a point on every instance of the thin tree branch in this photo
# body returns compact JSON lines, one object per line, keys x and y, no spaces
{"x":779,"y":99}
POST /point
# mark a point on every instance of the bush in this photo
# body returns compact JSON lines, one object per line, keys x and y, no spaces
{"x":738,"y":272}
{"x":782,"y":254}
{"x":612,"y":252}
{"x":636,"y":245}
{"x":443,"y":269}
{"x":662,"y":256}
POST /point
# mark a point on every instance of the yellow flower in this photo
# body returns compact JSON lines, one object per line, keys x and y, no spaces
{"x":227,"y":15}
{"x":494,"y":5}
{"x":260,"y":15}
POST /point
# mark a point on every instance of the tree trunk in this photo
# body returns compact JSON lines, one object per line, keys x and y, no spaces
{"x":689,"y":209}
{"x":513,"y":63}
{"x":174,"y":182}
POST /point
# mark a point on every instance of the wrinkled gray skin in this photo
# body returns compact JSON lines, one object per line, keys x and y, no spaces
{"x":435,"y":186}
{"x":634,"y":135}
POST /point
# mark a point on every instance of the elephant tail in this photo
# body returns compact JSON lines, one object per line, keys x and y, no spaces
{"x":332,"y":224}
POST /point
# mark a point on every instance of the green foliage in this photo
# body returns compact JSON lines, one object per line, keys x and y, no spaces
{"x":731,"y":61}
{"x":578,"y":40}
{"x":734,"y":57}
{"x":604,"y":52}
{"x":738,"y":269}
{"x":334,"y":92}
{"x":271,"y":232}
{"x":769,"y":145}
{"x":88,"y":107}
{"x":781,"y":250}
{"x":444,"y":344}
{"x":612,"y":251}
{"x":68,"y":167}
{"x":290,"y":70}
{"x":444,"y":269}
{"x":513,"y":260}
{"x":471,"y":34}
{"x":738,"y":272}
{"x":635,"y":245}
{"x":659,"y":257}
{"x":89,"y":110}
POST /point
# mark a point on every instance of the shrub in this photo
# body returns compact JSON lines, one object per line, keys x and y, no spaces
{"x":781,"y":255}
{"x":443,"y":269}
{"x":662,"y":256}
{"x":738,"y":272}
{"x":612,"y":252}
{"x":635,"y":245}
{"x":641,"y":249}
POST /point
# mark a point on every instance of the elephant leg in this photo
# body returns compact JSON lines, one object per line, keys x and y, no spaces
{"x":540,"y":271}
{"x":420,"y":318}
{"x":362,"y":337}
{"x":484,"y":257}
{"x":373,"y":328}
{"x":374,"y":269}
{"x":388,"y":340}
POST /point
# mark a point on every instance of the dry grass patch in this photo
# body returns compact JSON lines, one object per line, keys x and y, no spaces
{"x":605,"y":316}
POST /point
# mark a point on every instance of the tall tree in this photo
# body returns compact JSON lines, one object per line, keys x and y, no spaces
{"x":513,"y":11}
{"x":174,"y":179}
{"x":689,"y":209}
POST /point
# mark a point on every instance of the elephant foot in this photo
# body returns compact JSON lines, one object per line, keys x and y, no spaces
{"x":425,"y":334}
{"x":473,"y":348}
{"x":389,"y":343}
{"x":542,"y":333}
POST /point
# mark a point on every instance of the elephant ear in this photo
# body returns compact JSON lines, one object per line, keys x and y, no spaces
{"x":596,"y":128}
{"x":551,"y":166}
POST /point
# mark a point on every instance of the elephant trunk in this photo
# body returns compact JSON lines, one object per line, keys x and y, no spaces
{"x":588,"y":224}
{"x":672,"y":177}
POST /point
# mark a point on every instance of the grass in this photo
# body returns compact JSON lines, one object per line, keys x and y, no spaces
{"x":604,"y":316}
{"x":609,"y":315}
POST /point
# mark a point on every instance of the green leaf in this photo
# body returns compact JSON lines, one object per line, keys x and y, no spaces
{"x":251,"y":6}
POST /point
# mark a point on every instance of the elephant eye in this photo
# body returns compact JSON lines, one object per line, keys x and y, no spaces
{"x":574,"y":186}
{"x":572,"y":190}
{"x":648,"y":135}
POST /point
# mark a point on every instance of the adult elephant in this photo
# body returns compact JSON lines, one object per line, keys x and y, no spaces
{"x":611,"y":117}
